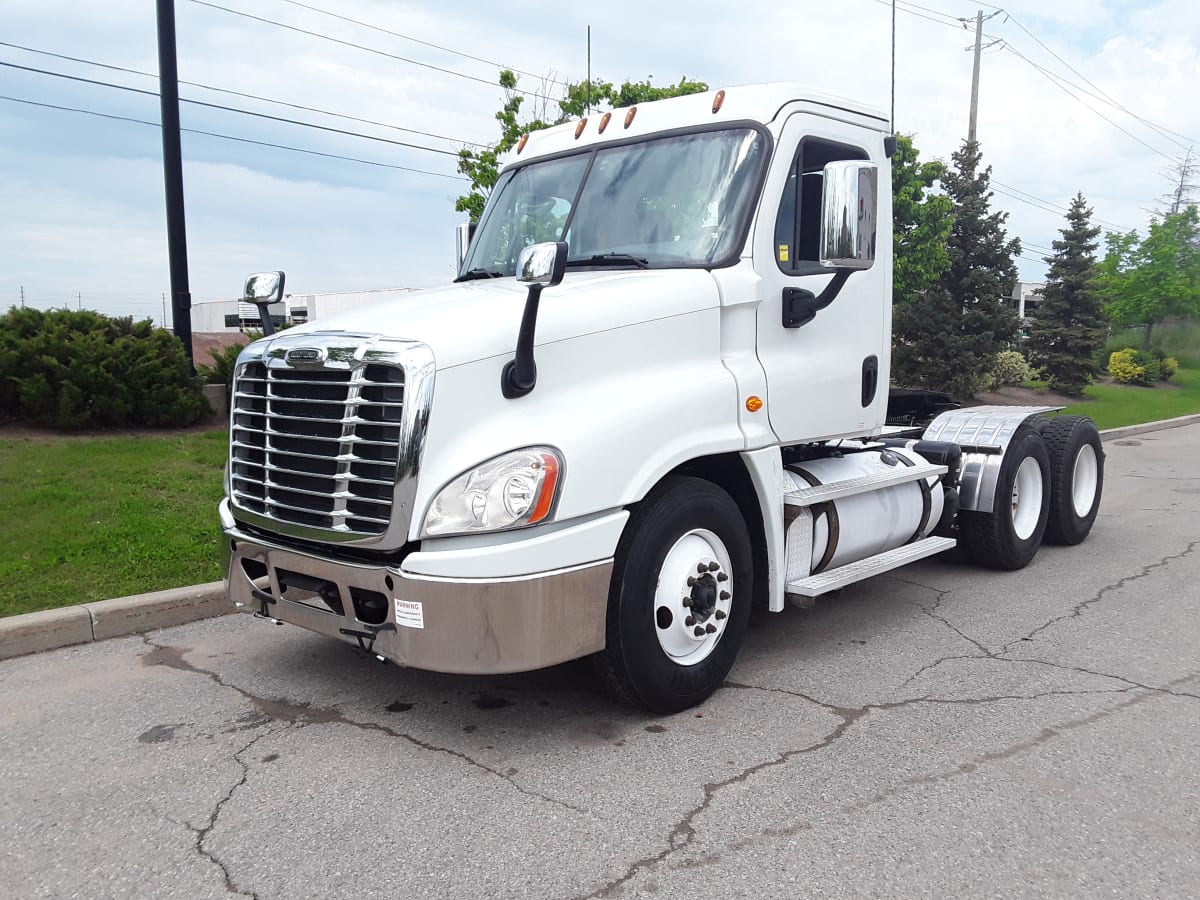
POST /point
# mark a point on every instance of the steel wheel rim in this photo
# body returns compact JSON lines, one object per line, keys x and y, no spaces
{"x":1084,"y":480}
{"x":702,"y":557}
{"x":1027,"y":498}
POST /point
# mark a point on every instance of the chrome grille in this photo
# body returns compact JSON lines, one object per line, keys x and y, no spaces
{"x":318,"y":447}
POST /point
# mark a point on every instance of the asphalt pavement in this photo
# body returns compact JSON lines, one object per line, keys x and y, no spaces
{"x":944,"y":731}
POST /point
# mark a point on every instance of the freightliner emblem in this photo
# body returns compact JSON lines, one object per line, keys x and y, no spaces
{"x":305,"y":356}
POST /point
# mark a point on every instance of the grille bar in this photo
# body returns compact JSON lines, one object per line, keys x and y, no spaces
{"x":284,"y":418}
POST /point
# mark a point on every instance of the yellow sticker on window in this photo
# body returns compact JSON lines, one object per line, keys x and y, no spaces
{"x":783,"y":252}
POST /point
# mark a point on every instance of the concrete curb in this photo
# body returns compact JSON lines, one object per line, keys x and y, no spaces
{"x":87,"y":622}
{"x":1112,"y":434}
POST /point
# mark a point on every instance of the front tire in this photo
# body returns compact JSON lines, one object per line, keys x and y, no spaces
{"x":1009,"y":536}
{"x":1076,"y":477}
{"x":680,"y":597}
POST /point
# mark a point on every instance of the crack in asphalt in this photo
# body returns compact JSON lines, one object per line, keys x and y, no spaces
{"x":1099,"y":595}
{"x":683,"y":833}
{"x":302,"y":714}
{"x":932,"y":612}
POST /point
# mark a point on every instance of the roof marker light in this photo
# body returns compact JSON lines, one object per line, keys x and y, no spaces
{"x":629,"y":116}
{"x":604,"y":121}
{"x":579,"y":128}
{"x":524,"y":138}
{"x":717,"y":101}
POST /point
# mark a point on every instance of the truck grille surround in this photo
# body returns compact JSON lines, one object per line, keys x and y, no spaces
{"x":325,"y":436}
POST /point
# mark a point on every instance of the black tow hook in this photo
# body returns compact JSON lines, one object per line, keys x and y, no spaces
{"x":369,"y":635}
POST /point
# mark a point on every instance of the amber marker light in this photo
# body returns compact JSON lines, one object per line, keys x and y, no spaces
{"x":549,"y":485}
{"x":754,"y":404}
{"x":629,"y":116}
{"x":717,"y":101}
{"x":579,"y":128}
{"x":604,"y":121}
{"x":524,"y":138}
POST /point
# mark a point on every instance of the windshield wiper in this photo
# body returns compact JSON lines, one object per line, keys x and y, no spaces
{"x":479,"y":273}
{"x":611,"y":259}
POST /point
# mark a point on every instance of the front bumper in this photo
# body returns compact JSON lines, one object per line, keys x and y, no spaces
{"x":459,"y":625}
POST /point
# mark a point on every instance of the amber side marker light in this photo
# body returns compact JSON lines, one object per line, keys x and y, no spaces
{"x":604,"y":121}
{"x":579,"y":128}
{"x":521,"y":146}
{"x":717,"y":101}
{"x":629,"y":116}
{"x":754,"y":404}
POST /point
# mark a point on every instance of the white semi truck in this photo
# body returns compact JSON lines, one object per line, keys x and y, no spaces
{"x":655,"y":396}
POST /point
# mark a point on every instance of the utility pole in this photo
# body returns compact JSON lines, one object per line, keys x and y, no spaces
{"x":168,"y":89}
{"x":22,"y":296}
{"x":79,"y":298}
{"x":975,"y":76}
{"x":589,"y":67}
{"x":164,"y":318}
{"x":893,"y":119}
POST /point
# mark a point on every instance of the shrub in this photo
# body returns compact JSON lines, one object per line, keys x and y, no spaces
{"x":1123,"y":369}
{"x":1010,"y":367}
{"x":77,"y":369}
{"x":1131,"y":366}
{"x":1169,"y":365}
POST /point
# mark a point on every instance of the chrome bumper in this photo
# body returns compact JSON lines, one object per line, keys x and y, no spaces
{"x":465,"y":626}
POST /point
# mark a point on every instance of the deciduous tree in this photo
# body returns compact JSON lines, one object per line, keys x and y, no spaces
{"x":921,"y":223}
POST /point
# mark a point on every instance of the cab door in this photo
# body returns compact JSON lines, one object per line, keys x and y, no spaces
{"x":826,"y":375}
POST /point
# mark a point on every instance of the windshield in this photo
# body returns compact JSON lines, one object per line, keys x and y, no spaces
{"x":663,"y":203}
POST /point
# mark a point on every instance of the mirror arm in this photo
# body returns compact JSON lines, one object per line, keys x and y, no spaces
{"x":264,"y":316}
{"x":520,"y":374}
{"x":801,"y":306}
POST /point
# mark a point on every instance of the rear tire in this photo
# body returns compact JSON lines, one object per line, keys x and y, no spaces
{"x":686,"y":529}
{"x":1076,"y":478}
{"x":1009,"y":536}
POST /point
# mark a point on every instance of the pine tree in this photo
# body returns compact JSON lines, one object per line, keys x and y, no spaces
{"x":1069,"y":329}
{"x":949,"y":340}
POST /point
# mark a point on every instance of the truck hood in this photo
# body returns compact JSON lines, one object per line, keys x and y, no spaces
{"x":477,"y":320}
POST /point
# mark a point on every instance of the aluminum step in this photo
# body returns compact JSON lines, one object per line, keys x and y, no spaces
{"x":823,"y":583}
{"x":863,"y":484}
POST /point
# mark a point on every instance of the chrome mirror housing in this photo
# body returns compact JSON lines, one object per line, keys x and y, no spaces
{"x":264,"y":288}
{"x":463,"y":233}
{"x":542,"y":264}
{"x":849,"y":213}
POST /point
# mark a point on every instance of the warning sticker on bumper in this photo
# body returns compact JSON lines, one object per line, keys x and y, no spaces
{"x":410,"y":614}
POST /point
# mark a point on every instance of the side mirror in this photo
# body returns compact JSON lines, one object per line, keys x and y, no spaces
{"x":539,"y":266}
{"x":543,"y":264}
{"x":264,"y":289}
{"x":463,"y":233}
{"x":849,"y":210}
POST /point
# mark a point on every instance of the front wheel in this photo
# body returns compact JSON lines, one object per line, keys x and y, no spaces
{"x":1009,"y":536}
{"x":680,"y":597}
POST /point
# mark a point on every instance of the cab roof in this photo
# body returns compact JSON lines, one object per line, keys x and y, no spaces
{"x":756,"y":103}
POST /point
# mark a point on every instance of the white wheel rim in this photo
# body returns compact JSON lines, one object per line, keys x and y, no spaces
{"x":1084,"y":480}
{"x":700,"y":556}
{"x":1027,"y":498}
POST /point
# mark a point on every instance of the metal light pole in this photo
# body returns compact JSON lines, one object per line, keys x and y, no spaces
{"x":168,"y":88}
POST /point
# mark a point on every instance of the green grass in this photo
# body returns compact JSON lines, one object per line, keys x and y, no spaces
{"x":88,"y":518}
{"x":1113,"y":405}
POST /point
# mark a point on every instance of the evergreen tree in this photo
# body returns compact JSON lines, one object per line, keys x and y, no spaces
{"x":949,"y":340}
{"x":1069,"y":329}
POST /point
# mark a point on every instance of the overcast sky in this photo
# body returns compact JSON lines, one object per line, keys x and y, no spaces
{"x":81,"y":197}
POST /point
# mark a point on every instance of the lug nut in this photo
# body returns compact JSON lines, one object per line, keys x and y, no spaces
{"x":721,"y":576}
{"x":713,"y":566}
{"x":724,"y":595}
{"x":687,"y":602}
{"x":711,"y":628}
{"x":719,"y":614}
{"x":691,"y":582}
{"x":701,"y":569}
{"x":689,"y":621}
{"x":699,"y":632}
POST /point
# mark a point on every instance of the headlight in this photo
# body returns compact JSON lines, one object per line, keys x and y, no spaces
{"x":509,"y":491}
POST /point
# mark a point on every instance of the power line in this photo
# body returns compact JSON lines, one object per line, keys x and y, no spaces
{"x":230,"y":137}
{"x":233,"y":109}
{"x":209,"y":87}
{"x":408,"y":37}
{"x":344,"y":43}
